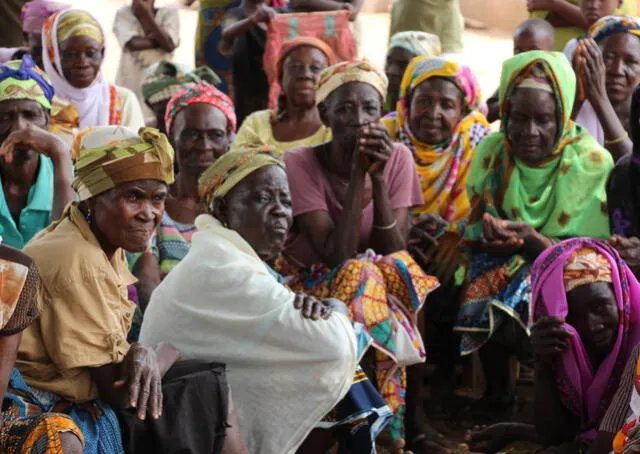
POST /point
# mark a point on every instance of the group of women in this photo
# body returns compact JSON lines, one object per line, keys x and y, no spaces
{"x":289,"y":274}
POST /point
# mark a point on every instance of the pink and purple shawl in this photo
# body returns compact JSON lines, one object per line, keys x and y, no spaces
{"x":35,"y":12}
{"x":585,"y":392}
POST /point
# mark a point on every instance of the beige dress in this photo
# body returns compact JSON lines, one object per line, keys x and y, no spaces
{"x":132,"y":64}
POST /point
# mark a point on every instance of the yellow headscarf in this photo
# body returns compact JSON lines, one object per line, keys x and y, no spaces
{"x":111,"y":155}
{"x":229,"y":170}
{"x":337,"y":75}
{"x":79,"y":23}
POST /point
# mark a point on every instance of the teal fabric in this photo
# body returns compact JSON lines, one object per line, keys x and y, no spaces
{"x":36,"y":215}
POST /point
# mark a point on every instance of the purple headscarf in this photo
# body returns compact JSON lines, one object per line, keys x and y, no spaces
{"x":35,"y":12}
{"x":585,"y":392}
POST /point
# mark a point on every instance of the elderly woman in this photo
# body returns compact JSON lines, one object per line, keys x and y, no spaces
{"x":43,"y":433}
{"x":200,"y":121}
{"x":608,"y":68}
{"x":585,"y":328}
{"x":352,"y":196}
{"x":541,"y":178}
{"x":163,"y":80}
{"x":222,"y":294}
{"x":296,"y":121}
{"x":74,"y":45}
{"x":403,"y":47}
{"x":88,"y":369}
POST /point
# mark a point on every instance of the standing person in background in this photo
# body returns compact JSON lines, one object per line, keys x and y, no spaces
{"x":10,"y":26}
{"x":570,"y":17}
{"x":209,"y":36}
{"x":147,"y":35}
{"x":74,"y":46}
{"x":440,"y":17}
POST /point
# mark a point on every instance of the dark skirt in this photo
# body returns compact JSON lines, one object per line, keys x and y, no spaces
{"x":194,"y":415}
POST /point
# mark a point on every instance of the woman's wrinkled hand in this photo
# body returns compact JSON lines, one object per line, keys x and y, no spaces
{"x":549,"y":339}
{"x":140,"y":374}
{"x":375,"y":148}
{"x":311,"y":307}
{"x":591,"y":70}
{"x":629,"y":250}
{"x":426,"y":229}
{"x":498,"y":238}
{"x":36,"y":139}
{"x":263,"y":14}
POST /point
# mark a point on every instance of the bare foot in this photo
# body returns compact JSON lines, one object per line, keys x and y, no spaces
{"x":488,"y":439}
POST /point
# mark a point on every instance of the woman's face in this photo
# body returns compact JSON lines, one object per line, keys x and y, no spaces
{"x":19,"y":114}
{"x":397,"y":61}
{"x":300,"y":71}
{"x":348,"y":109}
{"x":435,"y":109}
{"x":593,"y":312}
{"x":621,"y":54}
{"x":259,"y":209}
{"x":127,"y":215}
{"x":199,"y":135}
{"x":34,"y":43}
{"x":81,"y":59}
{"x":532,"y":124}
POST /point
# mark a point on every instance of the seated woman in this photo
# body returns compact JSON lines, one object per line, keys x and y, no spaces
{"x":163,"y":80}
{"x":222,"y":303}
{"x":45,"y":433}
{"x":540,"y":179}
{"x":200,"y":121}
{"x":73,"y":52}
{"x":351,"y":196}
{"x":624,"y":197}
{"x":296,"y":121}
{"x":608,"y":68}
{"x":403,"y":47}
{"x":88,"y":370}
{"x":586,"y":311}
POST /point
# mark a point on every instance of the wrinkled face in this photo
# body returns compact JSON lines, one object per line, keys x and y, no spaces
{"x":621,"y":53}
{"x":593,"y":312}
{"x":159,"y":108}
{"x":199,"y":135}
{"x":396,"y":64}
{"x":15,"y":115}
{"x":300,"y":72}
{"x":34,"y":43}
{"x":593,"y":10}
{"x":436,"y":108}
{"x":532,"y":124}
{"x":529,"y":40}
{"x":259,"y":209}
{"x":348,"y":109}
{"x":127,"y":215}
{"x":81,"y":58}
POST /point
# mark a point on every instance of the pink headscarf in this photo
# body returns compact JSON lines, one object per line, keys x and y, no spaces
{"x":585,"y":392}
{"x":35,"y":12}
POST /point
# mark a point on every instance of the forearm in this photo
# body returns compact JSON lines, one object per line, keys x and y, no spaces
{"x":570,"y":13}
{"x":62,"y":191}
{"x":613,"y":129}
{"x":151,"y":27}
{"x":385,"y":240}
{"x":233,"y":31}
{"x":534,"y":245}
{"x":316,"y":5}
{"x":138,"y":43}
{"x":552,"y":419}
{"x":167,"y":355}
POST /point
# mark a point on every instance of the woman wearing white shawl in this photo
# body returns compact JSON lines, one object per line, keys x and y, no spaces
{"x":222,"y":303}
{"x":73,"y":44}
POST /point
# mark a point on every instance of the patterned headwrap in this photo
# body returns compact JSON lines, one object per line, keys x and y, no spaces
{"x":418,"y":43}
{"x":230,"y":169}
{"x":535,"y":78}
{"x":586,"y":266}
{"x":24,"y":80}
{"x":79,"y":23}
{"x":610,"y":25}
{"x":111,"y":155}
{"x":343,"y":73}
{"x":36,"y":12}
{"x":164,"y":79}
{"x":200,"y":93}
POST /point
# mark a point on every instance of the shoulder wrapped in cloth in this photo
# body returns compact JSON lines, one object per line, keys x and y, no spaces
{"x":220,"y":303}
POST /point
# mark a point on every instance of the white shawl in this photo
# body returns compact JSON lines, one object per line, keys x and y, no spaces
{"x":220,"y":303}
{"x":93,"y":102}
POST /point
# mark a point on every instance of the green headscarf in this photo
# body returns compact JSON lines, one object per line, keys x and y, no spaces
{"x":162,"y":80}
{"x":562,"y":196}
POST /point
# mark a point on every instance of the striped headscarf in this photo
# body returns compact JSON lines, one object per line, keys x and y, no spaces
{"x":418,"y":43}
{"x":200,"y":93}
{"x":24,"y":80}
{"x":36,"y":12}
{"x":164,"y":79}
{"x":230,"y":169}
{"x":76,"y":23}
{"x":610,"y":25}
{"x":343,"y":73}
{"x":586,"y":266}
{"x":111,"y":155}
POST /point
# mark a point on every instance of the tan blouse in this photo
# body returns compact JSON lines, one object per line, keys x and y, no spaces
{"x":85,"y":313}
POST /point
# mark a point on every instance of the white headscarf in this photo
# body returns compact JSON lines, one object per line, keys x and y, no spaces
{"x":93,"y":102}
